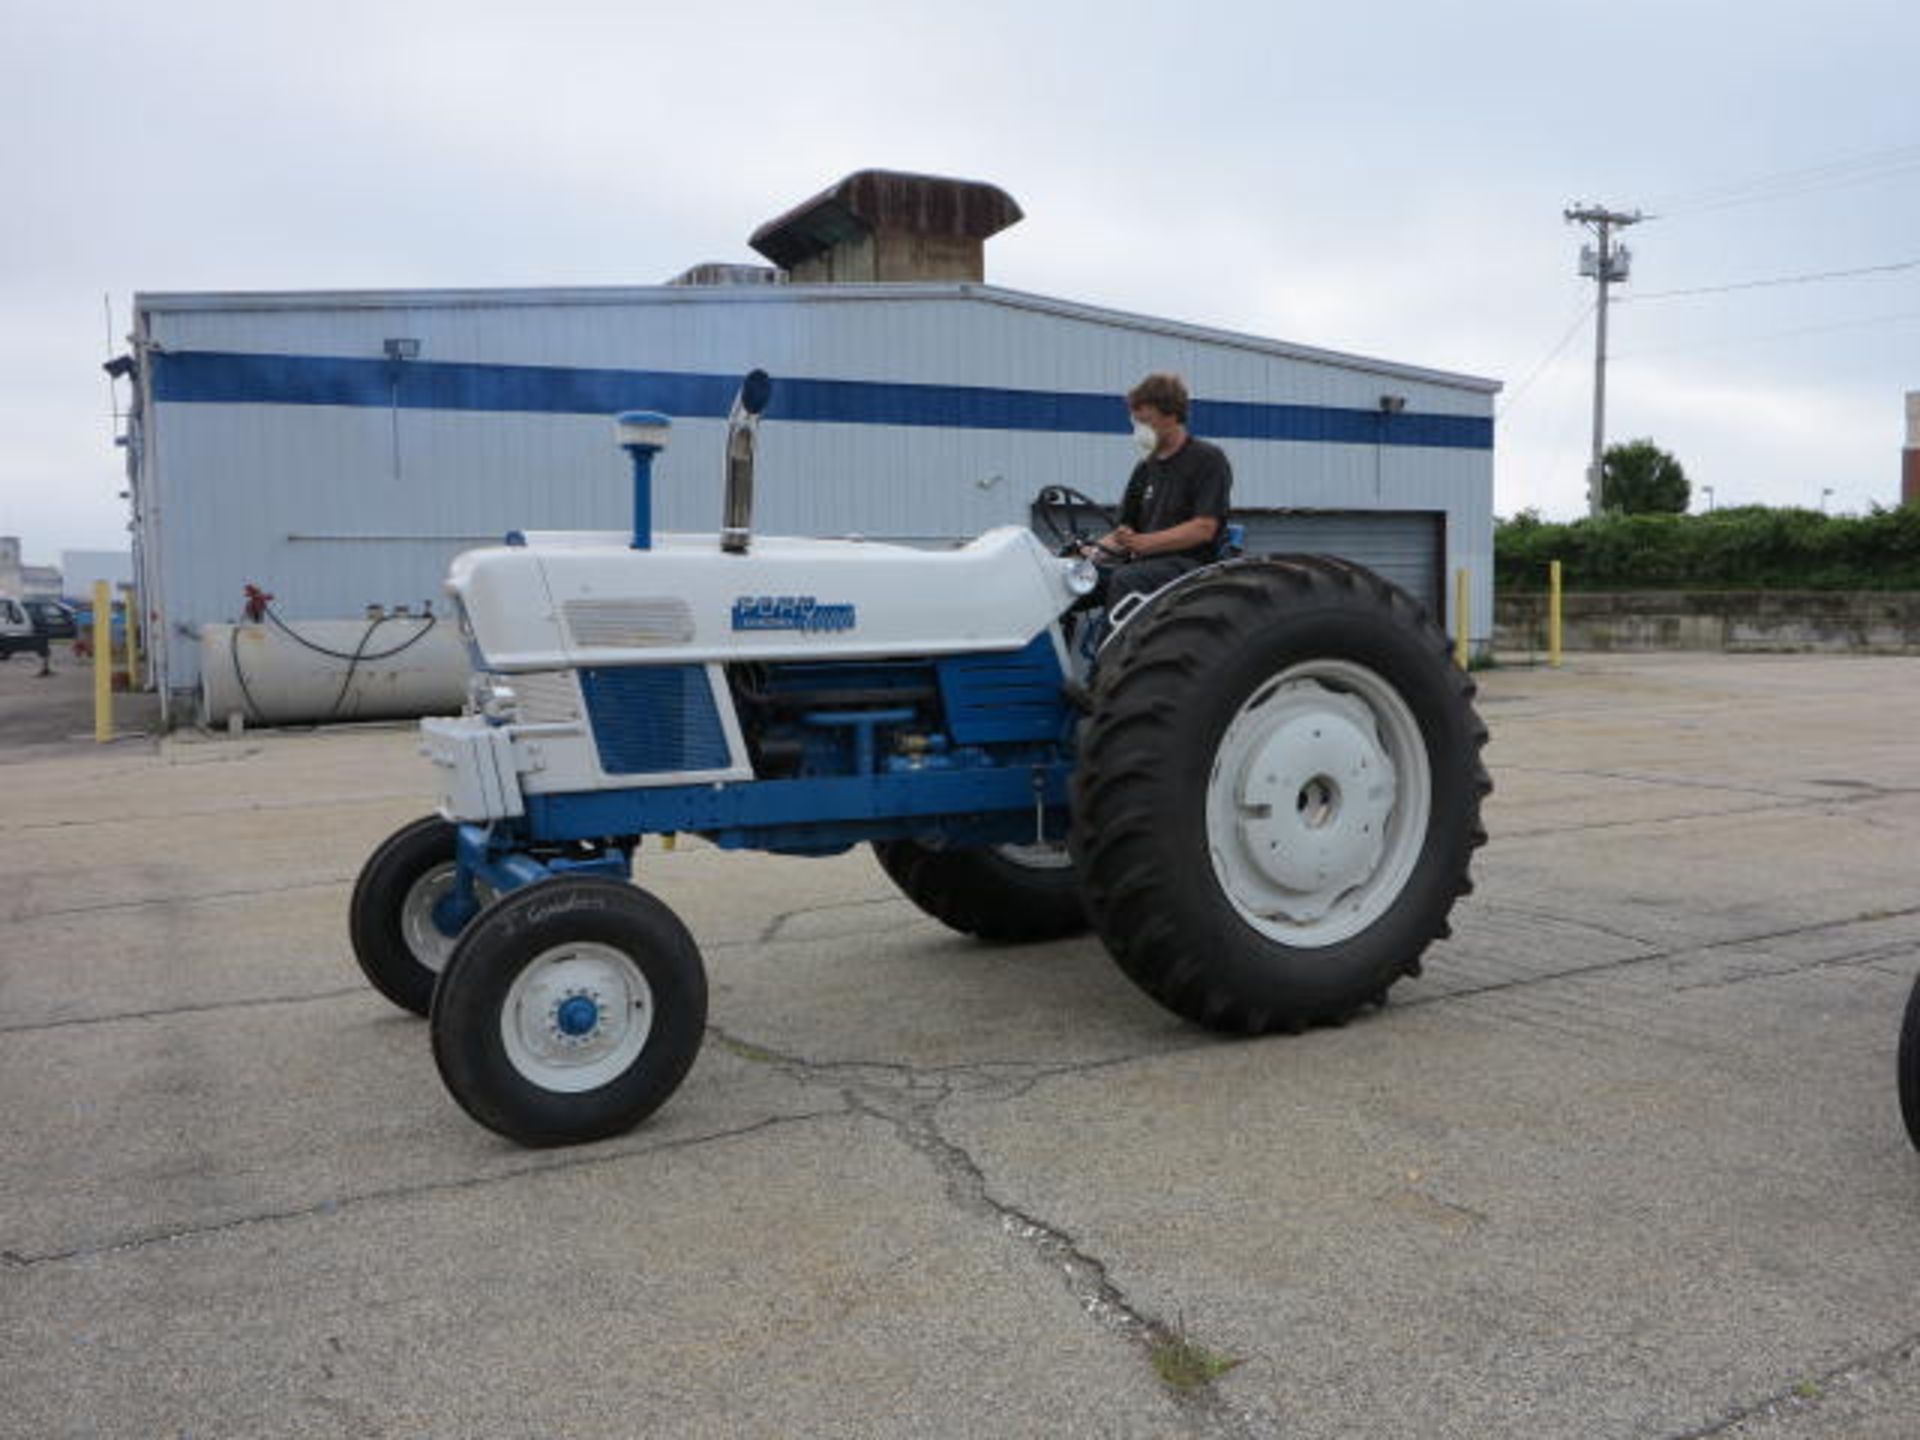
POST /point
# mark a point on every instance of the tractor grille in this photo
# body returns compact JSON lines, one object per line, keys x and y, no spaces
{"x":654,"y":719}
{"x":546,"y":697}
{"x":628,"y":624}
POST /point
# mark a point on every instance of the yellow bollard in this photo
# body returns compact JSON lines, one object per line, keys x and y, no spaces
{"x":102,"y":662}
{"x":1553,"y":614}
{"x":133,"y":641}
{"x":1462,"y":606}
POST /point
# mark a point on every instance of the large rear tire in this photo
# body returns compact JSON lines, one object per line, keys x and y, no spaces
{"x":1277,"y":794}
{"x":1910,"y":1066}
{"x":1006,"y":893}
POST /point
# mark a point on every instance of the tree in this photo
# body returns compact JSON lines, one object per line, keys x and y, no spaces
{"x":1639,"y":478}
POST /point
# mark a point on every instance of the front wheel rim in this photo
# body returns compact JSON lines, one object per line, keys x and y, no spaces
{"x":1318,"y":803}
{"x":425,"y":940}
{"x":576,"y":1017}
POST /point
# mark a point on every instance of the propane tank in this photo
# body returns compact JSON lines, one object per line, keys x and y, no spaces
{"x":387,"y":667}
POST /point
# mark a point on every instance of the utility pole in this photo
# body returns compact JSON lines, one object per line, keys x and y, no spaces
{"x":1605,"y":263}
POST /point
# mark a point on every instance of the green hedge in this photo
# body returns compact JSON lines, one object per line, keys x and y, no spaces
{"x":1752,"y":548}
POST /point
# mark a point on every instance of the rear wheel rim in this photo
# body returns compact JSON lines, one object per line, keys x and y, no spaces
{"x":1318,"y":803}
{"x":576,"y":1017}
{"x":1036,"y":857}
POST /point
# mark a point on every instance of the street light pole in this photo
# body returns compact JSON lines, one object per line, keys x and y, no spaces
{"x":1707,"y":490}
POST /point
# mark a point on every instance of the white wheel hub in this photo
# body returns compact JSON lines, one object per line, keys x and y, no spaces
{"x":1318,"y":801}
{"x":577,"y":1017}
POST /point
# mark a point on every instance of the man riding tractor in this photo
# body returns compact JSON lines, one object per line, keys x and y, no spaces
{"x":1174,"y":514}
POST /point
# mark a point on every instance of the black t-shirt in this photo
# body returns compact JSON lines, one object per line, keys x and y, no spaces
{"x":1195,"y":480}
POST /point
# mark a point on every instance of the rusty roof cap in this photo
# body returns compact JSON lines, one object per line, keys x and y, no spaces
{"x":869,"y":200}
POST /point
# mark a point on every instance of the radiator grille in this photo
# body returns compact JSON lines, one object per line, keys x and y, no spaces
{"x":628,"y":624}
{"x":654,"y":719}
{"x":546,"y":697}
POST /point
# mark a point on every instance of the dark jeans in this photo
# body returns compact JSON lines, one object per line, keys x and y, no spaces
{"x":1143,"y":577}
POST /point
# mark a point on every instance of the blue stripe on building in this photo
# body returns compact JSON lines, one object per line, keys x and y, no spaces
{"x":219,"y":378}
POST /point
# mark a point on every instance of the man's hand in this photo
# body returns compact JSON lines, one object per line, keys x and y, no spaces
{"x":1187,"y":535}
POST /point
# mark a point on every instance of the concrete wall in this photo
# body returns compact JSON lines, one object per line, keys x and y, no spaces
{"x":1862,"y":622}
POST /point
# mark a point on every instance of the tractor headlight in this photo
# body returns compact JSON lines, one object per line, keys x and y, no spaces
{"x":492,"y":698}
{"x":1083,"y":576}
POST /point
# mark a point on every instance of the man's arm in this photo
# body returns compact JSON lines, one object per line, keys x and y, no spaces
{"x":1210,"y":491}
{"x":1129,"y":514}
{"x":1187,"y":535}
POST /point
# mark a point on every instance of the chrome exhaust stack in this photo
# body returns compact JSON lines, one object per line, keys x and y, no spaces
{"x":743,"y":432}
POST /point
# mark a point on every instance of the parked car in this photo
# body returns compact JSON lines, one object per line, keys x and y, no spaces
{"x":18,"y":632}
{"x":52,"y":619}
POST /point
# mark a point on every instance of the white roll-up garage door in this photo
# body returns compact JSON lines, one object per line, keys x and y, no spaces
{"x":1408,"y":547}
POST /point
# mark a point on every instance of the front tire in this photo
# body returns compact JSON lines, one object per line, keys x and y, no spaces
{"x":1278,"y":793}
{"x":570,"y":1011}
{"x":400,"y":946}
{"x":1006,"y":893}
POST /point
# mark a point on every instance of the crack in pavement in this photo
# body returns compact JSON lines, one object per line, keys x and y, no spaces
{"x":1578,"y":922}
{"x":169,"y":816}
{"x":1808,"y":1394}
{"x":769,"y":933}
{"x":1645,"y":821}
{"x":1674,"y":782}
{"x":210,"y":1006}
{"x":1852,"y":960}
{"x":907,"y":1100}
{"x":14,"y":1260}
{"x":21,"y":917}
{"x":1623,"y":962}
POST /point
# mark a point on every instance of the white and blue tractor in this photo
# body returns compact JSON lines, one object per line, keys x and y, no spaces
{"x":1260,"y":785}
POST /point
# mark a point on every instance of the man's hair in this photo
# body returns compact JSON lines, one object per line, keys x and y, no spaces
{"x":1165,"y":393}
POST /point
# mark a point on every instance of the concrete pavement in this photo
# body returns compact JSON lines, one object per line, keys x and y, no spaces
{"x":1626,"y":1161}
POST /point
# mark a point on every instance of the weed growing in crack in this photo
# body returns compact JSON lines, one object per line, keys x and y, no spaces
{"x":745,"y":1050}
{"x":1183,"y":1364}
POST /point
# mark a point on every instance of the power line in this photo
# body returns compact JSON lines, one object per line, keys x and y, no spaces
{"x":1771,"y":335}
{"x":1787,"y":184}
{"x":1513,"y":396}
{"x":1806,"y":279}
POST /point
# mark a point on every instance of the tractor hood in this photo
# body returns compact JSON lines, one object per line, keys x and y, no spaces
{"x":563,"y":600}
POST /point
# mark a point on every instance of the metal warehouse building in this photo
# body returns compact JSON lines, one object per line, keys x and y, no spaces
{"x":338,"y":449}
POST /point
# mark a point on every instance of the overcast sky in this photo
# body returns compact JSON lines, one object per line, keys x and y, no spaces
{"x":1386,"y":179}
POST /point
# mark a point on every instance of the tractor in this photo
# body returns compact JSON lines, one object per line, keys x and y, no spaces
{"x":1259,"y":785}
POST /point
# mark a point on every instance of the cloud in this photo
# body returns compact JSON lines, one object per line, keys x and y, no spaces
{"x":1384,"y":180}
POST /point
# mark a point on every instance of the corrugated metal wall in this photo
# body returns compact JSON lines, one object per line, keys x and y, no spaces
{"x":335,"y":505}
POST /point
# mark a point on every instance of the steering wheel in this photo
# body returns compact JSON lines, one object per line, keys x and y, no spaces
{"x":1058,"y":508}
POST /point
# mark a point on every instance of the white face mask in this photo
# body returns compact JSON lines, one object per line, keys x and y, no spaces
{"x":1144,"y":437}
